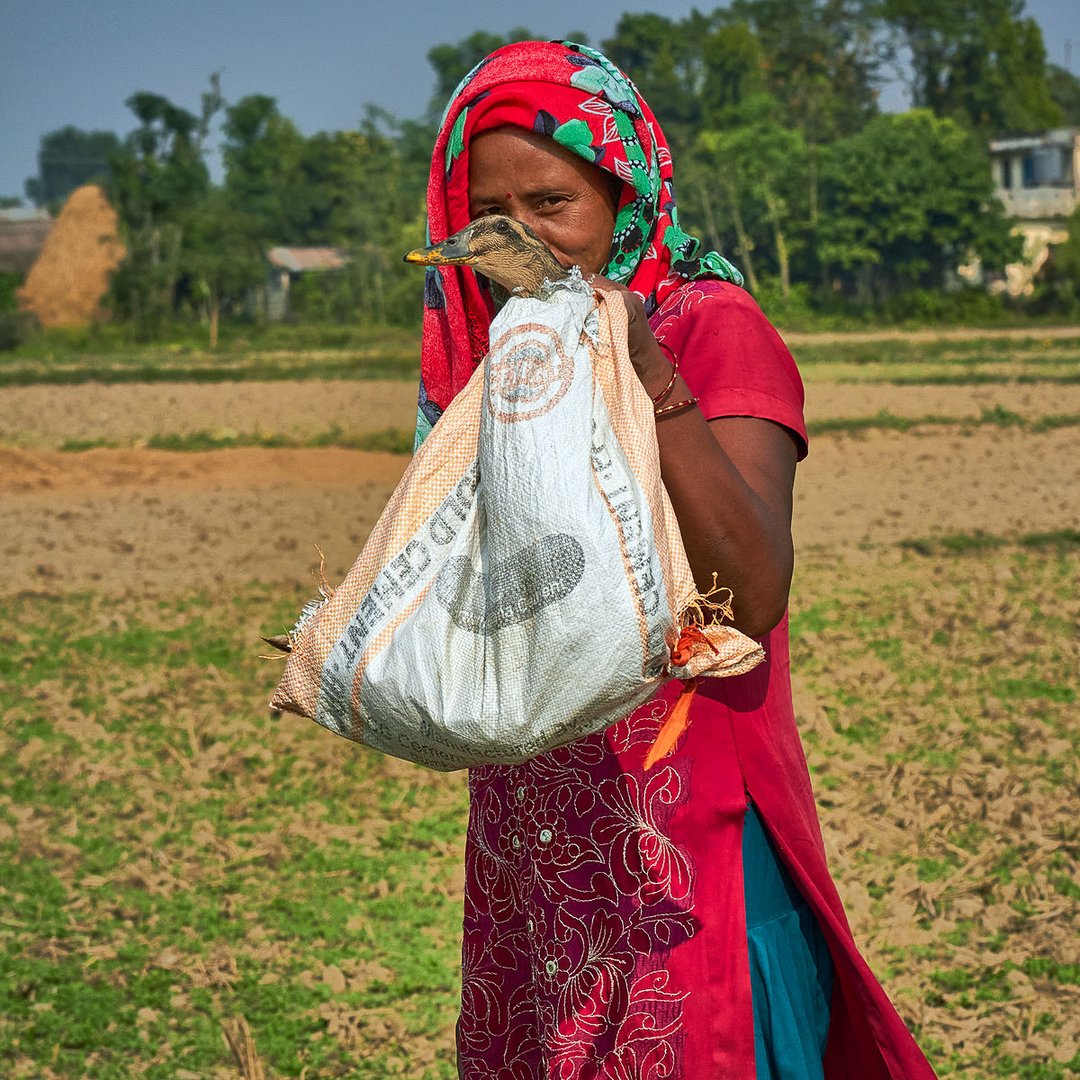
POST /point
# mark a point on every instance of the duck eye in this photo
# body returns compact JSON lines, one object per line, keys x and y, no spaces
{"x":502,"y":226}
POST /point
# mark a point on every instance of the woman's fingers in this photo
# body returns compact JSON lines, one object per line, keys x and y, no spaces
{"x":652,"y":367}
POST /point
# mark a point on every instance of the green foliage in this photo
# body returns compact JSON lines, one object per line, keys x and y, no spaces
{"x":10,"y":280}
{"x":907,"y":200}
{"x":68,"y":158}
{"x":261,"y":153}
{"x":825,"y":60}
{"x":15,"y":326}
{"x":1064,"y":88}
{"x":978,"y":61}
{"x":387,"y":441}
{"x":222,"y":257}
{"x":1059,"y":289}
{"x":770,"y":106}
{"x":158,"y":180}
{"x":756,"y":166}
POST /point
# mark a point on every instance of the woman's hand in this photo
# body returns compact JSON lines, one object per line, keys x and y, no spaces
{"x":650,"y":362}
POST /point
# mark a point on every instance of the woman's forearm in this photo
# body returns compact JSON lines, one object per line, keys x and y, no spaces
{"x":730,"y":483}
{"x":730,"y":486}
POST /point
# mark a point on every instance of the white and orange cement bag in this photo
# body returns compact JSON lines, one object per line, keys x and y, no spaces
{"x":527,"y":582}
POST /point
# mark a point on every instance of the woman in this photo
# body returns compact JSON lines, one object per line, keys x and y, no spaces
{"x":620,"y":923}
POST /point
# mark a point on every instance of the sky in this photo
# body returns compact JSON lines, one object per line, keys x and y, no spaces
{"x":73,"y":62}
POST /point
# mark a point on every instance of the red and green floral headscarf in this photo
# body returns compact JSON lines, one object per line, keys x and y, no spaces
{"x":576,"y":96}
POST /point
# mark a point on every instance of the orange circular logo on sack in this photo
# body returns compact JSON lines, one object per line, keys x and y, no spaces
{"x":528,"y":373}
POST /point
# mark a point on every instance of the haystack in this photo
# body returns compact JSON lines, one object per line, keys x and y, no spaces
{"x":66,"y":284}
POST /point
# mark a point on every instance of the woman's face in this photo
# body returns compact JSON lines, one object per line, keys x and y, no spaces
{"x":566,"y":201}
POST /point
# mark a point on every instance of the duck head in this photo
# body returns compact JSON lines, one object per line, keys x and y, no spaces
{"x":503,"y":249}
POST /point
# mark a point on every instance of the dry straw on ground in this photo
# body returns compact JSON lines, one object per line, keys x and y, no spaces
{"x":242,"y":1047}
{"x":66,"y":285}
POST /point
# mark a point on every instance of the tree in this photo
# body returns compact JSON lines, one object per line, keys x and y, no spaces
{"x":652,"y":49}
{"x":820,"y":60}
{"x":978,"y":61}
{"x":158,"y":179}
{"x":754,"y":166}
{"x":734,"y":69}
{"x":907,"y":200}
{"x":67,"y":159}
{"x":1060,"y":287}
{"x":262,"y":152}
{"x":222,"y":257}
{"x":690,"y":71}
{"x":354,"y":189}
{"x":824,"y":60}
{"x":1064,"y":89}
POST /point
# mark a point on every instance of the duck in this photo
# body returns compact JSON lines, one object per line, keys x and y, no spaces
{"x":504,"y":250}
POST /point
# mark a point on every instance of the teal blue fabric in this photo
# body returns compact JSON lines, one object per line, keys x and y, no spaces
{"x":791,"y":972}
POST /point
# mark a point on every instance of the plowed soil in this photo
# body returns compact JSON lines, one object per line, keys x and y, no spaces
{"x":153,"y":521}
{"x":45,"y":417}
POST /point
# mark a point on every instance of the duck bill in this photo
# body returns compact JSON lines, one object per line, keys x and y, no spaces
{"x":450,"y":252}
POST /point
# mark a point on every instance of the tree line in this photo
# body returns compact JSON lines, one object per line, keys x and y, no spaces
{"x":784,"y":161}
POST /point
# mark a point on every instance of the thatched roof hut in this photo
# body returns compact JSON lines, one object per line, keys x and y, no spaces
{"x":22,"y":235}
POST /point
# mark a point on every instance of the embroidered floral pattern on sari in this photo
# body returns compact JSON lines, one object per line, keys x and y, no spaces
{"x":574,"y":896}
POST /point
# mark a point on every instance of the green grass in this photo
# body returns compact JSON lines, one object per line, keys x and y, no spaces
{"x":966,"y":543}
{"x":350,"y":353}
{"x":944,"y":751}
{"x":974,"y":352}
{"x":118,"y":339}
{"x":172,"y":855}
{"x":998,"y":416}
{"x":978,"y":362}
{"x":399,"y":441}
{"x":203,"y":859}
{"x":389,"y":440}
{"x":357,"y":352}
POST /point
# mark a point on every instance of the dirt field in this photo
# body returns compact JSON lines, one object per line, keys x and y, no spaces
{"x":45,"y":417}
{"x":155,"y":521}
{"x":149,"y":790}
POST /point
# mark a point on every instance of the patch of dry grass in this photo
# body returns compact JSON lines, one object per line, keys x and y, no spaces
{"x":938,"y":699}
{"x":191,"y":887}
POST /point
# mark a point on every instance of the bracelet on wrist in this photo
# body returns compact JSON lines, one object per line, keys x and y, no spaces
{"x":675,"y":407}
{"x":674,"y":375}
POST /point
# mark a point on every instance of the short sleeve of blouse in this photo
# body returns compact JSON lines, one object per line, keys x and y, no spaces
{"x":731,"y":356}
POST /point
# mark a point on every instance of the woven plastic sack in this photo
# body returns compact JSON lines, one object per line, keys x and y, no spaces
{"x":526,"y":583}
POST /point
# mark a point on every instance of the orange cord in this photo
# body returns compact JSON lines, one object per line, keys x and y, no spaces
{"x":676,"y":723}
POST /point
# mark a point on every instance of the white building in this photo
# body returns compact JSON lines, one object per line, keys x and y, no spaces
{"x":1038,"y":180}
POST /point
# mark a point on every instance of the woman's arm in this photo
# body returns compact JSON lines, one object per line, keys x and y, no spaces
{"x":730,"y":482}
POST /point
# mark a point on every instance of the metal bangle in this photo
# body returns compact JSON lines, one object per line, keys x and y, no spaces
{"x":675,"y":407}
{"x":674,"y":375}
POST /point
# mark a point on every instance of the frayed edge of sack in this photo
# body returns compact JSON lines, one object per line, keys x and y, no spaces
{"x":285,"y":643}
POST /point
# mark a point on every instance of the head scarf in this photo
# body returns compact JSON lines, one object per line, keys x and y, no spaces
{"x":576,"y":96}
